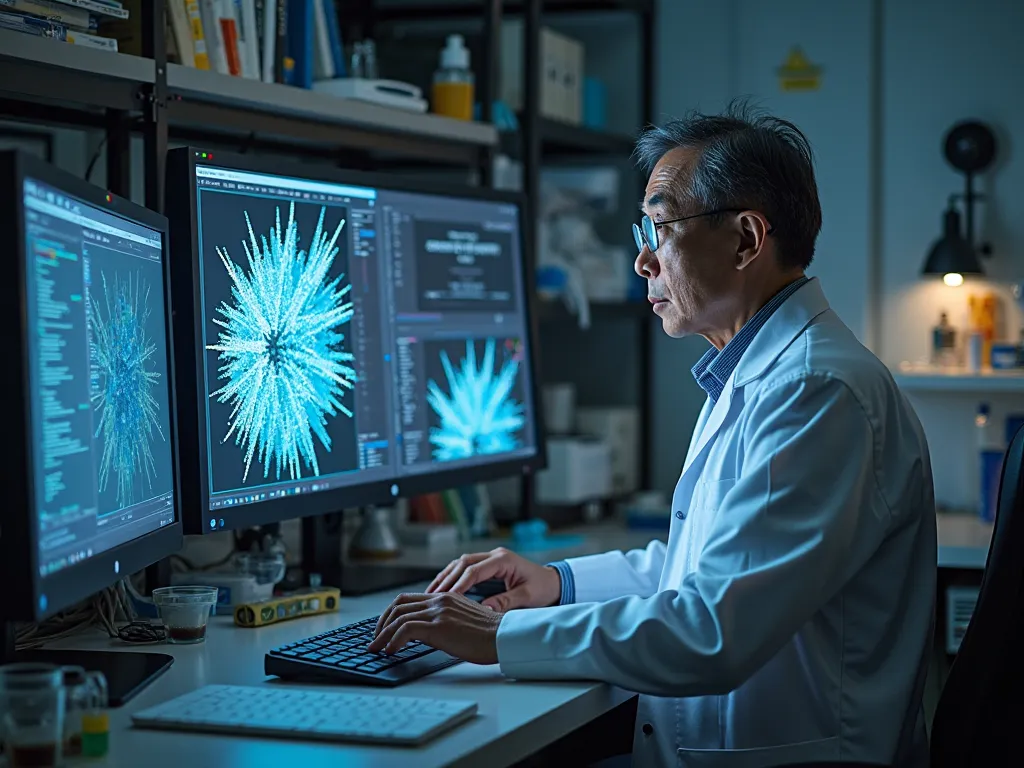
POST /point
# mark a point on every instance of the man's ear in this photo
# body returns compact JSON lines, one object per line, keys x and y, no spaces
{"x":753,"y":231}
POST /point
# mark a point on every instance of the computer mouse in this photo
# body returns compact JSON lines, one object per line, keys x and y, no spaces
{"x":489,"y":588}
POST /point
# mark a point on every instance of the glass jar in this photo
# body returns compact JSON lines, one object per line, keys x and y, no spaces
{"x":32,"y":714}
{"x":84,"y":692}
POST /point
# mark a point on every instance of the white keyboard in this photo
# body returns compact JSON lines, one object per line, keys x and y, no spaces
{"x":294,"y":713}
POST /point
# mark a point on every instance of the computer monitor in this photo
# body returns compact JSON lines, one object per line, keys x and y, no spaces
{"x":343,"y":338}
{"x":90,"y":476}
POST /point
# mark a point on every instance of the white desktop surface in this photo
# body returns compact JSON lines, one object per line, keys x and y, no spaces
{"x":963,"y":541}
{"x":514,"y":720}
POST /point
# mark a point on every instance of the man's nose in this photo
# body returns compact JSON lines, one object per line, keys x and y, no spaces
{"x":646,"y":263}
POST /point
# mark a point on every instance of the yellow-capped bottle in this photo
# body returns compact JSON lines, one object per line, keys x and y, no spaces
{"x":453,"y":83}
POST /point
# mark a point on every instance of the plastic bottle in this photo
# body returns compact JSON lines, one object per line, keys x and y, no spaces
{"x":944,"y":343}
{"x":990,"y":460}
{"x":453,"y":83}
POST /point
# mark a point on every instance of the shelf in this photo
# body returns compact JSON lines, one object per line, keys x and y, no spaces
{"x":562,"y":139}
{"x":548,"y":310}
{"x":201,"y":100}
{"x":50,"y":71}
{"x":928,"y":381}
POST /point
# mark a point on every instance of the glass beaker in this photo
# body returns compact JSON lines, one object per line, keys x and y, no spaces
{"x":32,"y":714}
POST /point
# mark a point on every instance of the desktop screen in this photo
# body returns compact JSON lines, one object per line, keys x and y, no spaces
{"x":355,"y":334}
{"x":98,"y":377}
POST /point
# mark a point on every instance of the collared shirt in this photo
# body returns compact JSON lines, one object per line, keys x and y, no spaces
{"x":715,"y":367}
{"x":712,"y":371}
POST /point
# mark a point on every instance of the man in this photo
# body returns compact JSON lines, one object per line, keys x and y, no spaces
{"x":789,"y":616}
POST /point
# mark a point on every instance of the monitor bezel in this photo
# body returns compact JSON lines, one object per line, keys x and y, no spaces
{"x":182,"y":205}
{"x":19,"y":555}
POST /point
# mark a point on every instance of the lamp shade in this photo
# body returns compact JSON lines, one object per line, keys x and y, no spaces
{"x":952,"y":253}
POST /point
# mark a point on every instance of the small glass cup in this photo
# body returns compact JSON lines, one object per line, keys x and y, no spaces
{"x":185,"y":611}
{"x":268,"y":568}
{"x":32,"y":714}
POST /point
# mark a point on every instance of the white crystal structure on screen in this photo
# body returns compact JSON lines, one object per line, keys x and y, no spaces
{"x":478,"y":414}
{"x":284,"y":370}
{"x":126,"y":408}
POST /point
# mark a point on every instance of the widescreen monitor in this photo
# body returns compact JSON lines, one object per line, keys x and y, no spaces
{"x":90,"y":477}
{"x":343,"y":339}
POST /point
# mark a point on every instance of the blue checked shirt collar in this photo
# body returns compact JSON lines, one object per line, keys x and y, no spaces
{"x":715,"y":367}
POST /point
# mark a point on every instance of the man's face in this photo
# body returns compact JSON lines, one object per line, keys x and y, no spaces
{"x":691,"y":275}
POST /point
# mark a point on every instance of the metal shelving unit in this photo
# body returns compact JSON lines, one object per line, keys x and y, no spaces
{"x":541,"y":139}
{"x":993,"y":382}
{"x":50,"y":83}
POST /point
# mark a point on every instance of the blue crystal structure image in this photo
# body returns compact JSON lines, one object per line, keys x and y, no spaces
{"x":479,"y":414}
{"x":127,"y":411}
{"x":283,"y":367}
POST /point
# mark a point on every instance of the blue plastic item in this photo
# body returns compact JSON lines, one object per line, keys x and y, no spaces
{"x":991,"y":470}
{"x":532,"y":536}
{"x":595,"y":104}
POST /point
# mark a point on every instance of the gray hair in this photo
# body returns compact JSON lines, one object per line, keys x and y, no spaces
{"x":747,"y":159}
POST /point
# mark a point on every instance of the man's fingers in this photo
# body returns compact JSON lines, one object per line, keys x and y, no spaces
{"x":399,"y":617}
{"x":390,"y":612}
{"x":474,"y":574}
{"x":409,"y":631}
{"x":508,"y":601}
{"x":441,"y":576}
{"x":462,"y":564}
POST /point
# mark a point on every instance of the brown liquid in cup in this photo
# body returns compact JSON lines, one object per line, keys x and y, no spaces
{"x":187,"y":633}
{"x":32,"y":755}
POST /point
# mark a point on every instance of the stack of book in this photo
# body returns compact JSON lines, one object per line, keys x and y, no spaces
{"x":276,"y":41}
{"x":72,"y":21}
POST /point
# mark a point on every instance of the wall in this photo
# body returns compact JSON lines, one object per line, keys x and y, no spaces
{"x":957,"y":61}
{"x":710,"y":52}
{"x":896,"y":76}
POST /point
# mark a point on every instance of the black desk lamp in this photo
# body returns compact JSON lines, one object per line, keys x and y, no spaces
{"x":970,"y":147}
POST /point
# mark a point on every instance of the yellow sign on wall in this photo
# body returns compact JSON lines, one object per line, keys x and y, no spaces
{"x":797,"y":73}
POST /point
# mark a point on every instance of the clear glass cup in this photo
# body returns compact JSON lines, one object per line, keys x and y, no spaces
{"x":268,"y":568}
{"x":185,"y":611}
{"x":32,"y":714}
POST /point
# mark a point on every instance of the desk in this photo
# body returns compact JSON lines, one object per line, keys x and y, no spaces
{"x":514,"y":720}
{"x":963,"y":541}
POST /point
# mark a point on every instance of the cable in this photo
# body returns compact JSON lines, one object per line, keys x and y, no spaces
{"x":142,"y":632}
{"x":95,"y":157}
{"x":106,"y":608}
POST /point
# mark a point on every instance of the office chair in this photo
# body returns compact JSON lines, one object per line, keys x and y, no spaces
{"x":977,"y":719}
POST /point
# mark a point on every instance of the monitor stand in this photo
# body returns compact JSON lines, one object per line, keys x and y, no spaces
{"x":127,"y":672}
{"x":322,"y":543}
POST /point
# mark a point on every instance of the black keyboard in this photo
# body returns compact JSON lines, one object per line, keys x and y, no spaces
{"x":340,"y":656}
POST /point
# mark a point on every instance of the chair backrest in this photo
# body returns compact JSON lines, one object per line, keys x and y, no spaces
{"x":977,"y":719}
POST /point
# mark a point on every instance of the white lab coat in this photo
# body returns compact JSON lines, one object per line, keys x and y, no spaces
{"x":790,"y":615}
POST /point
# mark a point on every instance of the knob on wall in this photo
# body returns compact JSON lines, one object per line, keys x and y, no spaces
{"x":970,"y":146}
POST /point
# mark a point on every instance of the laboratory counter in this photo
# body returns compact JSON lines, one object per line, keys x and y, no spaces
{"x":963,"y":543}
{"x":514,"y":719}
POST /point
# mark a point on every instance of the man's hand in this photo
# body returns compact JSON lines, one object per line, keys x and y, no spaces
{"x":527,"y":584}
{"x":449,"y":622}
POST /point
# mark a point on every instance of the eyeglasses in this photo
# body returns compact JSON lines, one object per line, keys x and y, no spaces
{"x":646,"y":232}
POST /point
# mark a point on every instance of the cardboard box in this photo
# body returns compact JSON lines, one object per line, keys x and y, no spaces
{"x":561,"y":73}
{"x":579,"y":470}
{"x":619,"y":428}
